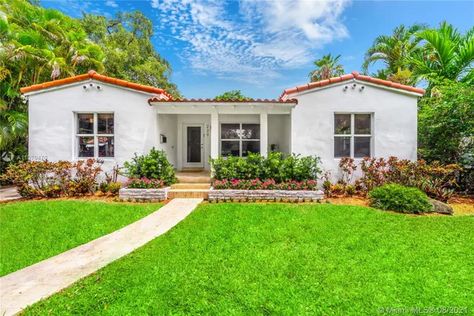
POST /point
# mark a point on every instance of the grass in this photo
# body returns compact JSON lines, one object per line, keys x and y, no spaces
{"x":35,"y":230}
{"x":284,"y":259}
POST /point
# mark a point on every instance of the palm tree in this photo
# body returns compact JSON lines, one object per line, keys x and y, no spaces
{"x":394,"y":50}
{"x":326,"y":67}
{"x":445,"y":54}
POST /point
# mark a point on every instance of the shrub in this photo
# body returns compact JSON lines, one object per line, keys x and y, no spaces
{"x":110,"y":187}
{"x":257,"y":184}
{"x":347,"y":167}
{"x":275,"y":166}
{"x":145,"y":183}
{"x":399,"y":198}
{"x":350,"y":190}
{"x":54,"y":179}
{"x":154,"y":166}
{"x":435,"y":179}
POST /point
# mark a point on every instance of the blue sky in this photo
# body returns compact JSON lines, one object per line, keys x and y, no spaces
{"x":263,"y":47}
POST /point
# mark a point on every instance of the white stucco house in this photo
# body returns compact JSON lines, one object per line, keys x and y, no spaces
{"x":93,"y":115}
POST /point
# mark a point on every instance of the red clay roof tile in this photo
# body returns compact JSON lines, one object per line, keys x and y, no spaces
{"x":94,"y":75}
{"x":287,"y":101}
{"x":353,"y":75}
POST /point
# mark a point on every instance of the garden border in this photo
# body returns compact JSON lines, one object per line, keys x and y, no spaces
{"x":265,"y":195}
{"x":148,"y":195}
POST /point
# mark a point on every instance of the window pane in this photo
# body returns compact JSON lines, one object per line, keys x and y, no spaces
{"x":230,"y":148}
{"x":342,"y":124}
{"x":250,"y":146}
{"x":85,"y":123}
{"x":230,"y":131}
{"x":251,"y":131}
{"x":106,"y":146}
{"x":105,"y":123}
{"x":86,"y":146}
{"x":342,"y":147}
{"x":362,"y":123}
{"x":361,"y":147}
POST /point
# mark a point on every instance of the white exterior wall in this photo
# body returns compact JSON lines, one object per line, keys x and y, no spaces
{"x":279,"y":127}
{"x":52,"y":121}
{"x":167,"y":125}
{"x":307,"y":128}
{"x":394,"y":130}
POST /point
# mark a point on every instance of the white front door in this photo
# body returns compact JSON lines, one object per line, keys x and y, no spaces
{"x":193,"y":146}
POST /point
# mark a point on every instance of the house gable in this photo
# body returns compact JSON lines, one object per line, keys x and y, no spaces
{"x":92,"y":75}
{"x":352,"y":77}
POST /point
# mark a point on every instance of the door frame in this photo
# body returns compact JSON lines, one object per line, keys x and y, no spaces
{"x":185,"y":146}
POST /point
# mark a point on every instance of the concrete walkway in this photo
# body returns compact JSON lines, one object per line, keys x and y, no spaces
{"x":29,"y":285}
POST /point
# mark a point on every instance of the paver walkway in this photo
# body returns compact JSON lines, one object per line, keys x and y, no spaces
{"x":31,"y":284}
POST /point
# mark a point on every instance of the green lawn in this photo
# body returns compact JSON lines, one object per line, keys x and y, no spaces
{"x":35,"y":230}
{"x":285,"y":259}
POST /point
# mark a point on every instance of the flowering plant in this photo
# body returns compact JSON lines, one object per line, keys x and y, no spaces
{"x":268,"y":184}
{"x":144,"y":183}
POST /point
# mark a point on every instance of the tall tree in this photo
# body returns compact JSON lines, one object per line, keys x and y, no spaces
{"x":394,"y":50}
{"x":38,"y":44}
{"x":445,"y":54}
{"x":126,"y":41}
{"x":326,"y":67}
{"x":231,"y":95}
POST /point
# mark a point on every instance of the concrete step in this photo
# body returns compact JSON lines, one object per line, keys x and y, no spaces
{"x":187,"y":193}
{"x":193,"y":179}
{"x":191,"y":186}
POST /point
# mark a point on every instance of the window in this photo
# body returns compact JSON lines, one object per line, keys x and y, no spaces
{"x":352,"y":135}
{"x":239,"y":139}
{"x":95,"y":135}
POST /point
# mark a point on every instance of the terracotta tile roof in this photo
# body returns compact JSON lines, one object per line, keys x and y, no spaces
{"x":287,"y":101}
{"x":94,"y":75}
{"x":353,"y":75}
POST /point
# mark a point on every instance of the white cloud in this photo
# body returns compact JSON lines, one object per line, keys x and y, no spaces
{"x":111,"y":3}
{"x":251,"y":40}
{"x":154,"y":4}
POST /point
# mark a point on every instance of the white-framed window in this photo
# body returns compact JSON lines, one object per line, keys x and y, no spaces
{"x":95,"y":135}
{"x":353,"y":135}
{"x":238,"y":139}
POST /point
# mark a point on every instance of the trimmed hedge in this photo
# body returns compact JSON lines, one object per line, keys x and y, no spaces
{"x":154,"y":166}
{"x":275,"y":167}
{"x":395,"y":197}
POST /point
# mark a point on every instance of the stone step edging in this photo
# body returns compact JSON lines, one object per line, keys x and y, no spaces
{"x":264,"y":195}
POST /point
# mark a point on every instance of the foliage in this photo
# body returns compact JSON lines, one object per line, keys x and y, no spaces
{"x":274,"y":166}
{"x":317,"y":259}
{"x":394,"y":51}
{"x":326,"y":67}
{"x":269,"y":184}
{"x":38,"y":45}
{"x":32,"y":231}
{"x":435,"y":179}
{"x":446,"y":122}
{"x":395,"y":197}
{"x":416,"y":53}
{"x":233,"y":95}
{"x":144,"y":183}
{"x":446,"y":128}
{"x":111,"y":187}
{"x":154,"y":165}
{"x":126,"y":41}
{"x":445,"y":54}
{"x":13,"y":126}
{"x":54,"y":179}
{"x":347,"y":167}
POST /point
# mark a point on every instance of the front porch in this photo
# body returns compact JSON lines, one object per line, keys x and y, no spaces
{"x":192,"y":132}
